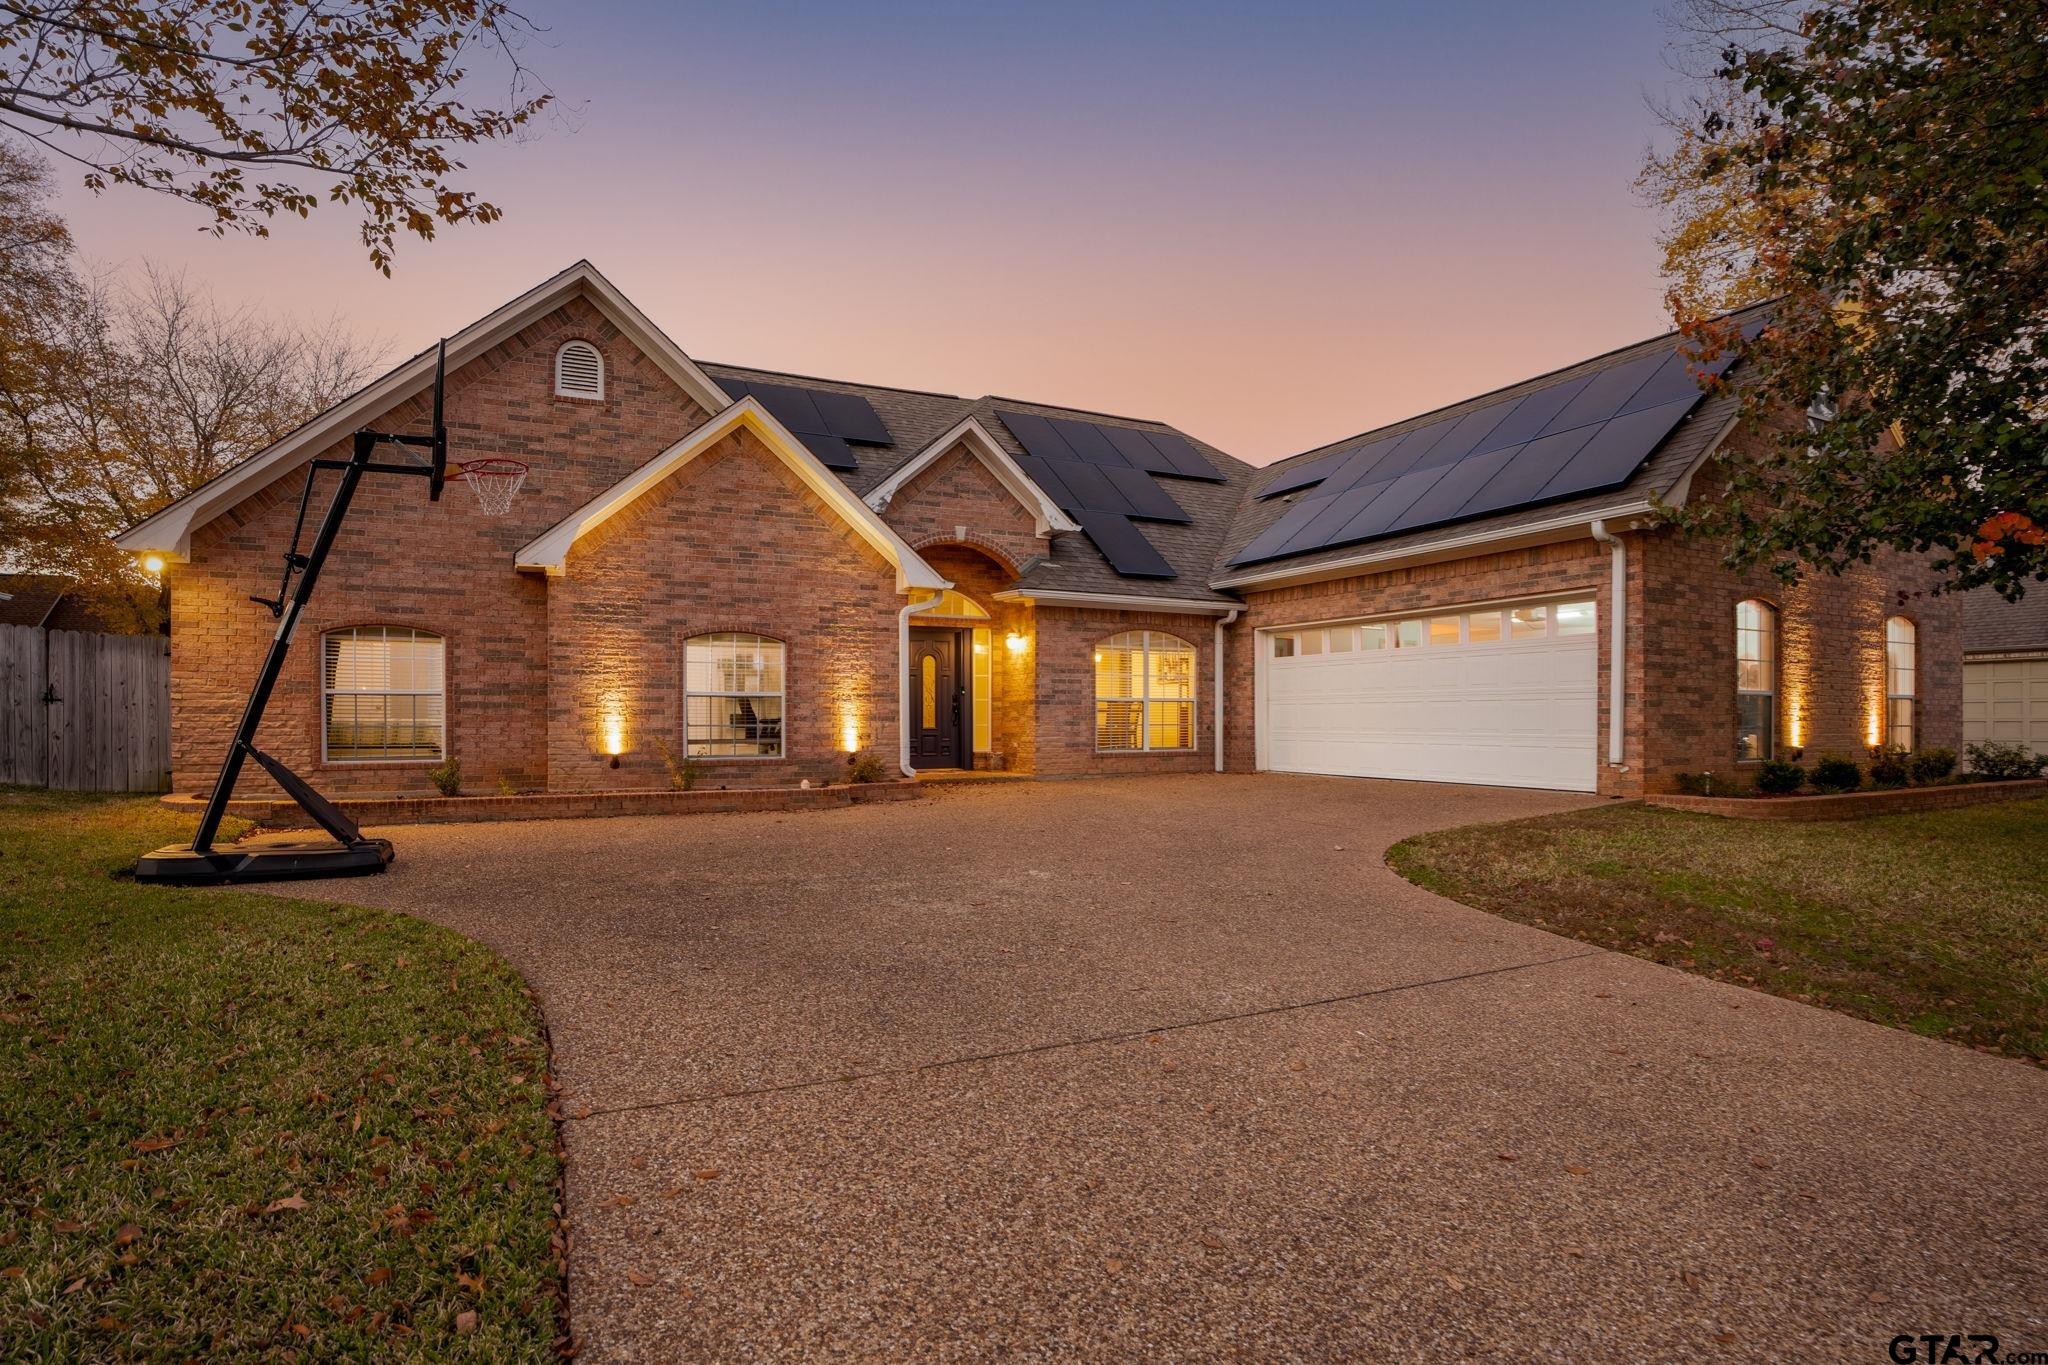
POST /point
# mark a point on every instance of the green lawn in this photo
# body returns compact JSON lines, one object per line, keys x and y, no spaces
{"x":1937,"y":923}
{"x":236,"y":1125}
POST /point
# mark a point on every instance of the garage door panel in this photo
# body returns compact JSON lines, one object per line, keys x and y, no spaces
{"x":2006,"y":700}
{"x":1520,"y":713}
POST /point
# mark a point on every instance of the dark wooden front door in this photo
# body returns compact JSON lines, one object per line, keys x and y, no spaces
{"x":938,"y":700}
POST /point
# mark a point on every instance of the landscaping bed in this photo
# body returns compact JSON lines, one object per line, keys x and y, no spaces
{"x":1933,"y":922}
{"x":434,"y":810}
{"x":1854,"y":805}
{"x":236,"y":1125}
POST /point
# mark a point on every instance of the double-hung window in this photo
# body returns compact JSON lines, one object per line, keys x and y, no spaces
{"x":1756,"y":680}
{"x":1901,"y":666}
{"x":383,"y":695}
{"x":1144,"y":692}
{"x":732,"y":696}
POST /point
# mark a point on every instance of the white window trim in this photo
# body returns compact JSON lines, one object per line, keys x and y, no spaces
{"x":1771,"y":644}
{"x":327,"y":692}
{"x":576,"y":343}
{"x":1144,"y":698}
{"x":1891,"y":698}
{"x":781,"y":695}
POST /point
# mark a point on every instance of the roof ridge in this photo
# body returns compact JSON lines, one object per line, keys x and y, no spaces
{"x":1084,"y":412}
{"x":824,"y":379}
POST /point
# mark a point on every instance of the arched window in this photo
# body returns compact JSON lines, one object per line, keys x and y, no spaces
{"x":579,"y":371}
{"x":1144,"y":692}
{"x":732,"y":696}
{"x":1901,"y":664}
{"x":1756,"y":680}
{"x":383,"y":695}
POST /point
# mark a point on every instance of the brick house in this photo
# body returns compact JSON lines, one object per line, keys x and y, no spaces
{"x":759,"y":573}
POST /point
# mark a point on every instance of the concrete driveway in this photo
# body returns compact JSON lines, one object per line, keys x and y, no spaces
{"x":1175,"y":1068}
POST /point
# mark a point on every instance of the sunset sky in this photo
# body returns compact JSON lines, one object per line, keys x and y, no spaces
{"x":1270,"y":224}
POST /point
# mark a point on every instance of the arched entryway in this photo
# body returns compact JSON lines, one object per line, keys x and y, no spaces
{"x":971,"y":676}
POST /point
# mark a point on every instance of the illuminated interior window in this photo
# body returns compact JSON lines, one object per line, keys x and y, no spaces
{"x":383,"y":695}
{"x":1901,"y":664}
{"x":952,"y":604}
{"x":732,"y":696}
{"x":984,"y":691}
{"x":1756,"y":680}
{"x":1144,"y":692}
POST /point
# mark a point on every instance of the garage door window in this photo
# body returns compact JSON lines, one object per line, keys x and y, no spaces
{"x":1901,"y":663}
{"x":1145,"y":691}
{"x":1756,"y":681}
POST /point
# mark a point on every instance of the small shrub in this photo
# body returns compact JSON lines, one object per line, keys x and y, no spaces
{"x":1890,"y":767}
{"x":1777,"y":778}
{"x":446,"y":777}
{"x":505,"y":787}
{"x":1835,"y":773}
{"x":864,"y":767}
{"x":682,"y":773}
{"x":1999,"y":761}
{"x":1932,"y":765}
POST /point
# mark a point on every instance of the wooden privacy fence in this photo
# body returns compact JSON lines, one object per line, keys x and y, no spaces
{"x":85,"y":712}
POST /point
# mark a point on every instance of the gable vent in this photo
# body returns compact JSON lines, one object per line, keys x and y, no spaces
{"x":579,"y":371}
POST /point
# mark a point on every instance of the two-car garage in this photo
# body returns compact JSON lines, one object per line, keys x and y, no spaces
{"x":1494,"y":694}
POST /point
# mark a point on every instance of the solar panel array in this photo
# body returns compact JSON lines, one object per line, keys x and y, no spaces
{"x":1580,"y":434}
{"x":829,"y":424}
{"x":1102,"y":476}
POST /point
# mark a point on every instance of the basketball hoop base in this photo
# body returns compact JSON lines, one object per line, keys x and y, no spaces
{"x":266,"y":858}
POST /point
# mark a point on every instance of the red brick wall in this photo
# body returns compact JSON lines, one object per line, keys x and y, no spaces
{"x":732,"y":541}
{"x":404,"y":561}
{"x":958,"y":490}
{"x":1830,"y":654}
{"x":1573,"y":566}
{"x":1064,"y":650}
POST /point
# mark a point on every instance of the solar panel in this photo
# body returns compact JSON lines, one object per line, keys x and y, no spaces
{"x":1103,"y":477}
{"x":1127,"y":551}
{"x":1574,"y":435}
{"x":828,"y":423}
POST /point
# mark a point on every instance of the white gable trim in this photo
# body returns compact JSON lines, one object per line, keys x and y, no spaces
{"x":169,"y":531}
{"x":1116,"y":602}
{"x":1048,"y":519}
{"x":549,"y":552}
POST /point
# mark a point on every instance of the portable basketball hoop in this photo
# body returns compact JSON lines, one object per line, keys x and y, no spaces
{"x":349,"y":852}
{"x":495,"y":482}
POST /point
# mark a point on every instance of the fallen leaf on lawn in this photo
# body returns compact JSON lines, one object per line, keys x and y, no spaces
{"x":637,"y":1280}
{"x":381,"y":1275}
{"x":13,"y":1272}
{"x":67,"y":1225}
{"x":465,"y":1321}
{"x":291,"y":1201}
{"x":1764,"y":945}
{"x":128,"y":1233}
{"x":1576,"y":1170}
{"x":76,"y":1284}
{"x":708,"y":1173}
{"x":108,"y":1323}
{"x":128,"y":1258}
{"x":473,"y":1283}
{"x":153,"y":1144}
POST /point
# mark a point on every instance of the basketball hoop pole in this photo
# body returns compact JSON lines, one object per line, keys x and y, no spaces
{"x":200,"y":862}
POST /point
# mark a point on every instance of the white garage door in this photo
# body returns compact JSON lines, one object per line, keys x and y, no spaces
{"x":2006,"y":699}
{"x":1502,"y":696}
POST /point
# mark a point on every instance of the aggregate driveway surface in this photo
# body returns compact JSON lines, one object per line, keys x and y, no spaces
{"x":1176,"y":1068}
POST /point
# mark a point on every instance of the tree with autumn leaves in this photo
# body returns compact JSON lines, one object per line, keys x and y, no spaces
{"x":1879,"y":168}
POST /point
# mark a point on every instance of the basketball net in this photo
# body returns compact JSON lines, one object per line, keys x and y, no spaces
{"x":495,"y":483}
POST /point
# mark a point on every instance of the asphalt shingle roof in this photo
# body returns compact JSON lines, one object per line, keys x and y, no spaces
{"x":1992,"y":625}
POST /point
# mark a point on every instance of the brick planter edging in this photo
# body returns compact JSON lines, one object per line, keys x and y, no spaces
{"x":1853,"y":805}
{"x":444,"y":810}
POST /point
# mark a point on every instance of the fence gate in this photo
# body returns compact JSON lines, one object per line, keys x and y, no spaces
{"x":81,"y":711}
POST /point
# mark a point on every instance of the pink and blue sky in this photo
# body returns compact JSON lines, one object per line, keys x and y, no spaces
{"x":1271,"y":224}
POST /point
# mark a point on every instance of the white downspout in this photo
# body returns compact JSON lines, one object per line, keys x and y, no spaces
{"x":903,"y":686}
{"x":1216,"y":667}
{"x":1617,"y":639}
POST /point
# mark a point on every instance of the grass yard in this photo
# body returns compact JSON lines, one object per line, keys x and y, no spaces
{"x":236,"y":1125}
{"x":1936,"y":923}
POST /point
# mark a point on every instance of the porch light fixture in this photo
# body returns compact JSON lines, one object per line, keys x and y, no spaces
{"x":1016,"y":643}
{"x":153,"y":564}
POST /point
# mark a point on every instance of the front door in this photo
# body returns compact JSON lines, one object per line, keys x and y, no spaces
{"x":938,"y":700}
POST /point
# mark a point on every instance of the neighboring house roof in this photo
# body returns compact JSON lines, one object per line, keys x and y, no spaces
{"x":169,"y":530}
{"x":28,"y":599}
{"x":549,"y":551}
{"x":1992,"y":625}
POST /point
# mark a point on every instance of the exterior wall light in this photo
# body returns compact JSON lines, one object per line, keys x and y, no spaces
{"x":1016,"y":643}
{"x":152,"y":564}
{"x":614,"y":726}
{"x":849,"y":734}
